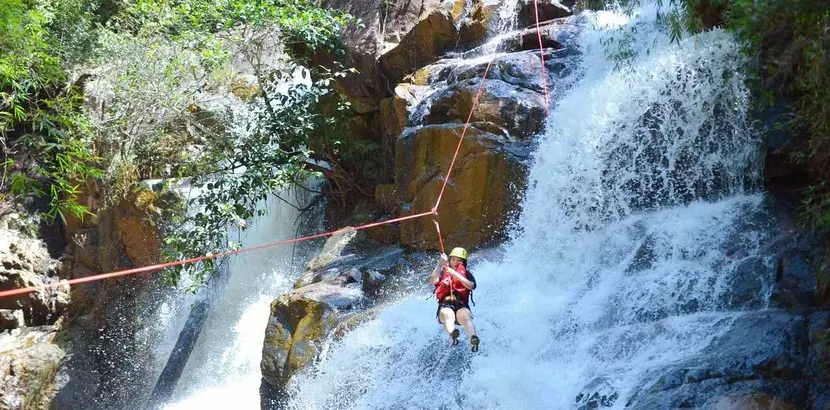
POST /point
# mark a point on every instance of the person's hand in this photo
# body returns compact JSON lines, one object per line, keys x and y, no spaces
{"x":444,"y":260}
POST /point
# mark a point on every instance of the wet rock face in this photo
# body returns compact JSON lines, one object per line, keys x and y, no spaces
{"x":407,"y":82}
{"x":597,"y":394}
{"x":327,"y":299}
{"x":112,"y":324}
{"x":512,"y":98}
{"x":488,"y":180}
{"x":763,"y":352}
{"x":513,"y":110}
{"x":546,"y":10}
{"x":293,"y":336}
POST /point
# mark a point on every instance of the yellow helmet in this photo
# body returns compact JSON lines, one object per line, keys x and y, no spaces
{"x":459,"y":253}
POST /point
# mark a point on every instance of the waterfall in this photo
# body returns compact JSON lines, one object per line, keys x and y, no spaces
{"x":639,"y":210}
{"x":223,"y":369}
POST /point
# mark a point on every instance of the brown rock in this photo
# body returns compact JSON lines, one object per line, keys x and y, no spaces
{"x":137,"y":228}
{"x":426,"y":75}
{"x":385,"y":23}
{"x":429,"y":39}
{"x":141,"y":242}
{"x":332,"y":250}
{"x":483,"y":190}
{"x":393,"y":116}
{"x":126,"y":229}
{"x":293,"y":335}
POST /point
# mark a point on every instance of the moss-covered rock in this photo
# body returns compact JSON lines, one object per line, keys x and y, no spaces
{"x":293,"y":336}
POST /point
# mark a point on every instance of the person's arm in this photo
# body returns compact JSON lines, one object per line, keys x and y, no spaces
{"x":464,"y":281}
{"x":436,"y":273}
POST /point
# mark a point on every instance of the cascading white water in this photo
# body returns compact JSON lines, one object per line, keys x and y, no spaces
{"x":223,"y":369}
{"x":622,"y":256}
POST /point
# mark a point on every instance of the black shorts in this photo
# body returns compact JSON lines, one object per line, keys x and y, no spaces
{"x":455,"y":305}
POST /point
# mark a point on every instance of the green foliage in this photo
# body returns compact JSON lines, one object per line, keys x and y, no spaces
{"x":815,"y":207}
{"x":193,"y":21}
{"x":266,"y":159}
{"x":791,"y":43}
{"x":46,"y":140}
{"x":150,"y":71}
{"x":170,"y":53}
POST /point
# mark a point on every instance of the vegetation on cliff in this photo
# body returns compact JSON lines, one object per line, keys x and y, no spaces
{"x":221,"y":93}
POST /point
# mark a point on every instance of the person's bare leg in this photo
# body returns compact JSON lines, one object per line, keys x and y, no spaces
{"x":448,"y":319}
{"x":465,"y":318}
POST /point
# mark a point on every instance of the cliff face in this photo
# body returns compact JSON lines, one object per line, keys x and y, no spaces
{"x":420,"y":66}
{"x":78,"y":347}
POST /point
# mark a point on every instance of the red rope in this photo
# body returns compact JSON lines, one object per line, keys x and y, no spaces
{"x":463,"y":133}
{"x":541,"y":55}
{"x":21,"y":291}
{"x":438,"y":229}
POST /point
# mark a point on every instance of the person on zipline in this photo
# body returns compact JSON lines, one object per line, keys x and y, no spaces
{"x":454,"y":285}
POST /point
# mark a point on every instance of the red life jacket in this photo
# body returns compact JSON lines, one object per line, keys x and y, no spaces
{"x":450,"y":286}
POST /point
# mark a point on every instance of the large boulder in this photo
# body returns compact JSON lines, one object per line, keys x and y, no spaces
{"x":293,"y":336}
{"x":517,"y":111}
{"x":431,"y":37}
{"x":112,"y":320}
{"x":331,"y":292}
{"x":385,"y":27}
{"x":482,"y":193}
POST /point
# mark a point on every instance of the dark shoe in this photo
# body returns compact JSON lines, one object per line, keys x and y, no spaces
{"x":454,"y":335}
{"x":474,"y":342}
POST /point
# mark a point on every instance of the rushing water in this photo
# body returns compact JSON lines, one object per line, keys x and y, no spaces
{"x":634,"y":222}
{"x":621,"y":260}
{"x":223,"y":369}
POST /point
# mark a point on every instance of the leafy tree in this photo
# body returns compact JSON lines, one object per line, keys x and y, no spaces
{"x":45,"y":139}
